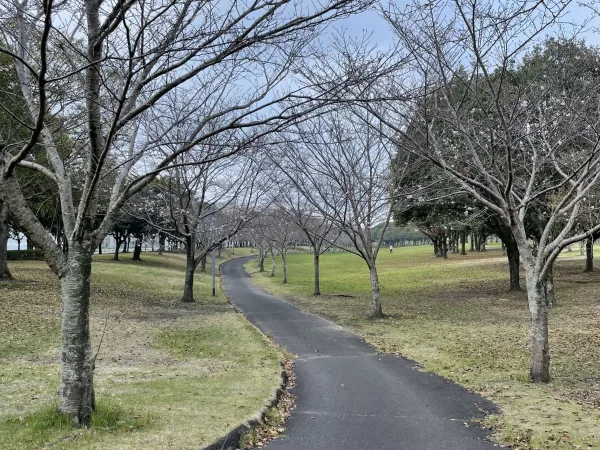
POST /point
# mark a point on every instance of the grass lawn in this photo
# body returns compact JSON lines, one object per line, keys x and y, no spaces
{"x":456,"y":318}
{"x":168,"y":375}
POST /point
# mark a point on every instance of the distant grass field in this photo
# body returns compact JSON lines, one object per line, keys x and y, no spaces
{"x":168,"y":375}
{"x":457,"y":318}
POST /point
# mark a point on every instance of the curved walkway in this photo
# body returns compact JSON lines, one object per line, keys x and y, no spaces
{"x":348,"y":396}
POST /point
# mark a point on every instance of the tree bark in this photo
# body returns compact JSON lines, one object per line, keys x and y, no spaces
{"x":445,"y":247}
{"x":463,"y":239}
{"x":161,"y":242}
{"x":99,"y":249}
{"x":549,"y":288}
{"x":540,"y":350}
{"x":203,"y":264}
{"x":376,"y":311}
{"x":316,"y":257}
{"x":273,"y":266}
{"x":472,"y":243}
{"x":117,"y":247}
{"x":284,"y":263}
{"x":190,"y":268}
{"x":77,"y":400}
{"x":512,"y":253}
{"x":589,"y":254}
{"x":137,"y":250}
{"x":261,"y":260}
{"x":5,"y":274}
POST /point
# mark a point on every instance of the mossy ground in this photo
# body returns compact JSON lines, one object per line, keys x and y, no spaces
{"x":457,"y":318}
{"x":168,"y":375}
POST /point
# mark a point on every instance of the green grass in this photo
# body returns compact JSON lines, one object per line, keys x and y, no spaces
{"x":168,"y":375}
{"x":456,"y":318}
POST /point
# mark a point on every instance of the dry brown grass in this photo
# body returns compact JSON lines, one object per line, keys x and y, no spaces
{"x":168,"y":393}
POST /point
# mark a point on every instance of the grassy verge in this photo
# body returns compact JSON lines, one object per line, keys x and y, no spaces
{"x":457,"y":319}
{"x":168,"y":375}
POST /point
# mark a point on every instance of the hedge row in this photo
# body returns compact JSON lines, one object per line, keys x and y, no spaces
{"x":25,"y":255}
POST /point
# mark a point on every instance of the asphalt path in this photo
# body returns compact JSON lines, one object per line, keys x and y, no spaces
{"x":350,"y":397}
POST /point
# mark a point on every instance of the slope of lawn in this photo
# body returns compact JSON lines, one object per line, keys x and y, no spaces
{"x":456,"y":318}
{"x":168,"y":375}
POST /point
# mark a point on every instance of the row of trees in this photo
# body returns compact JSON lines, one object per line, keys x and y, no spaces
{"x":108,"y":95}
{"x":200,"y":120}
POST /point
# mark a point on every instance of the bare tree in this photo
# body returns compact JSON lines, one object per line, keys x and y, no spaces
{"x":345,"y":171}
{"x":110,"y":70}
{"x":516,"y":129}
{"x":282,"y":233}
{"x":318,"y":229}
{"x":208,"y":204}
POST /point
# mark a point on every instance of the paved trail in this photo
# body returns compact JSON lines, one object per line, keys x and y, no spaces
{"x":348,"y":396}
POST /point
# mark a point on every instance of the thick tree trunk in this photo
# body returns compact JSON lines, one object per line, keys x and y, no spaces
{"x":5,"y":274}
{"x":512,"y":253}
{"x":99,"y":249}
{"x":472,"y":244}
{"x":317,"y":290}
{"x":284,"y":263}
{"x":436,"y":246}
{"x":190,"y":268}
{"x":203,"y":264}
{"x":589,"y":254}
{"x":77,"y":399}
{"x":137,"y":250}
{"x":463,"y":239}
{"x":376,"y":311}
{"x":540,"y":350}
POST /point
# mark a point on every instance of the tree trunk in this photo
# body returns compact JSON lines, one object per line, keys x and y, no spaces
{"x":117,"y":247}
{"x":549,"y":288}
{"x":137,"y":250}
{"x":190,"y":268}
{"x":316,"y":256}
{"x":463,"y":239}
{"x":203,"y":264}
{"x":99,"y":249}
{"x":77,"y":399}
{"x":5,"y":274}
{"x":472,"y":244}
{"x":540,"y":350}
{"x":445,"y":247}
{"x":589,"y":254}
{"x":261,"y":260}
{"x":436,"y":246}
{"x":284,"y":263}
{"x":273,"y":266}
{"x":161,"y":242}
{"x":512,"y":253}
{"x":376,"y":311}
